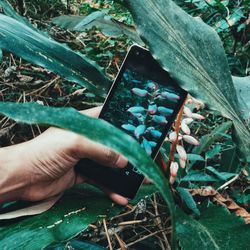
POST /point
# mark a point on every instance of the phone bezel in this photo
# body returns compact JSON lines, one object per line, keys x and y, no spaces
{"x":115,"y":179}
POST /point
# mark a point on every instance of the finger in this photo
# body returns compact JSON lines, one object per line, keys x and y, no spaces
{"x":94,"y":112}
{"x":79,"y":179}
{"x":117,"y":198}
{"x":147,"y":181}
{"x":101,"y":154}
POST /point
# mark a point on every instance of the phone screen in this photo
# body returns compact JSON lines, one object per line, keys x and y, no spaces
{"x":143,"y":101}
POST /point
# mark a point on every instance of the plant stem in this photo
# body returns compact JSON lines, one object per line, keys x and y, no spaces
{"x":177,"y":130}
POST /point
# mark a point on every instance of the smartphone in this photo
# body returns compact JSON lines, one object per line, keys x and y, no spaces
{"x":143,"y":101}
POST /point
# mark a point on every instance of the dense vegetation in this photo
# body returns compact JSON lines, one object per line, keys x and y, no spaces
{"x":66,"y":54}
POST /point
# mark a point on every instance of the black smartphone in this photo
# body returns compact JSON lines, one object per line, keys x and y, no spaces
{"x":143,"y":101}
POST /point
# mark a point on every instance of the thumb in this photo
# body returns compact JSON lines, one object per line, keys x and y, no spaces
{"x":100,"y":154}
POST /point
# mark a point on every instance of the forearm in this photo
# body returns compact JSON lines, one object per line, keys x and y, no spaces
{"x":12,"y":177}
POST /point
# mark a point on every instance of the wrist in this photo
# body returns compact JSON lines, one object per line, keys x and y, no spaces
{"x":13,"y":180}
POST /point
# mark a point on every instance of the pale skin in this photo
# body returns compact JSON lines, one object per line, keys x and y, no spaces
{"x":44,"y":166}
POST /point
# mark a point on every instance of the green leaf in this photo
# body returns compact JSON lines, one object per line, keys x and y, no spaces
{"x":213,"y":152}
{"x":230,"y":21}
{"x":229,"y":160}
{"x":71,"y":215}
{"x":76,"y":244}
{"x":68,"y":217}
{"x":221,"y":175}
{"x":189,"y":200}
{"x":244,"y":198}
{"x":9,"y":11}
{"x":101,"y":20}
{"x":103,"y":132}
{"x":207,"y":140}
{"x":198,"y":176}
{"x":216,"y":229}
{"x":37,"y":48}
{"x":242,"y":86}
{"x":193,"y":54}
{"x":195,"y":157}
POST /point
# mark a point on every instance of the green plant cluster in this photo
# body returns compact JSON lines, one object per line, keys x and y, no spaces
{"x":194,"y":55}
{"x":230,"y":20}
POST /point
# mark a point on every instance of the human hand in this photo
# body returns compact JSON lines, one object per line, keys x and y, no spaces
{"x":44,"y":166}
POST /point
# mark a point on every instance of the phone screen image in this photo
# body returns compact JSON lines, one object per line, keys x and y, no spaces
{"x":143,"y":101}
{"x":142,"y":108}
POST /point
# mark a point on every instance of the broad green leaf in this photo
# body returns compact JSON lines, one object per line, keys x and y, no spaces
{"x":201,"y":4}
{"x":21,"y":209}
{"x":189,"y":201}
{"x":9,"y":11}
{"x":213,"y":152}
{"x":244,"y":198}
{"x":191,"y":157}
{"x":195,"y":157}
{"x":76,"y":244}
{"x":216,"y":229}
{"x":71,"y":215}
{"x":198,"y":176}
{"x":229,"y":160}
{"x":242,"y":86}
{"x":193,"y":54}
{"x":37,"y":48}
{"x":95,"y":129}
{"x":221,"y":175}
{"x":99,"y":19}
{"x":207,"y":140}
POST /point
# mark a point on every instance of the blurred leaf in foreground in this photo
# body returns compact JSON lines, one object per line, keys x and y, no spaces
{"x":33,"y":46}
{"x":95,"y":129}
{"x":71,"y":215}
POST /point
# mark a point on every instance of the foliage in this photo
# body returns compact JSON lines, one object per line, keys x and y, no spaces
{"x":193,"y":53}
{"x":99,"y":19}
{"x":242,"y":87}
{"x":146,"y":114}
{"x":216,"y":229}
{"x":75,"y":244}
{"x":20,"y":39}
{"x":103,"y":133}
{"x":185,"y":39}
{"x":230,"y":19}
{"x":73,"y":213}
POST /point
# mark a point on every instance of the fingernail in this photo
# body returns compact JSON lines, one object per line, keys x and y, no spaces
{"x":122,"y":162}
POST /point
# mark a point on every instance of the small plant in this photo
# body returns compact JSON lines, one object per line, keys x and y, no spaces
{"x":177,"y":139}
{"x":149,"y":109}
{"x":204,"y":149}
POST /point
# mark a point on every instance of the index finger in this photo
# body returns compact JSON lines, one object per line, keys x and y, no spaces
{"x":94,"y":112}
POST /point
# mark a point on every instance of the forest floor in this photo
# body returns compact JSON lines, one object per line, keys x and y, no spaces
{"x":145,"y":225}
